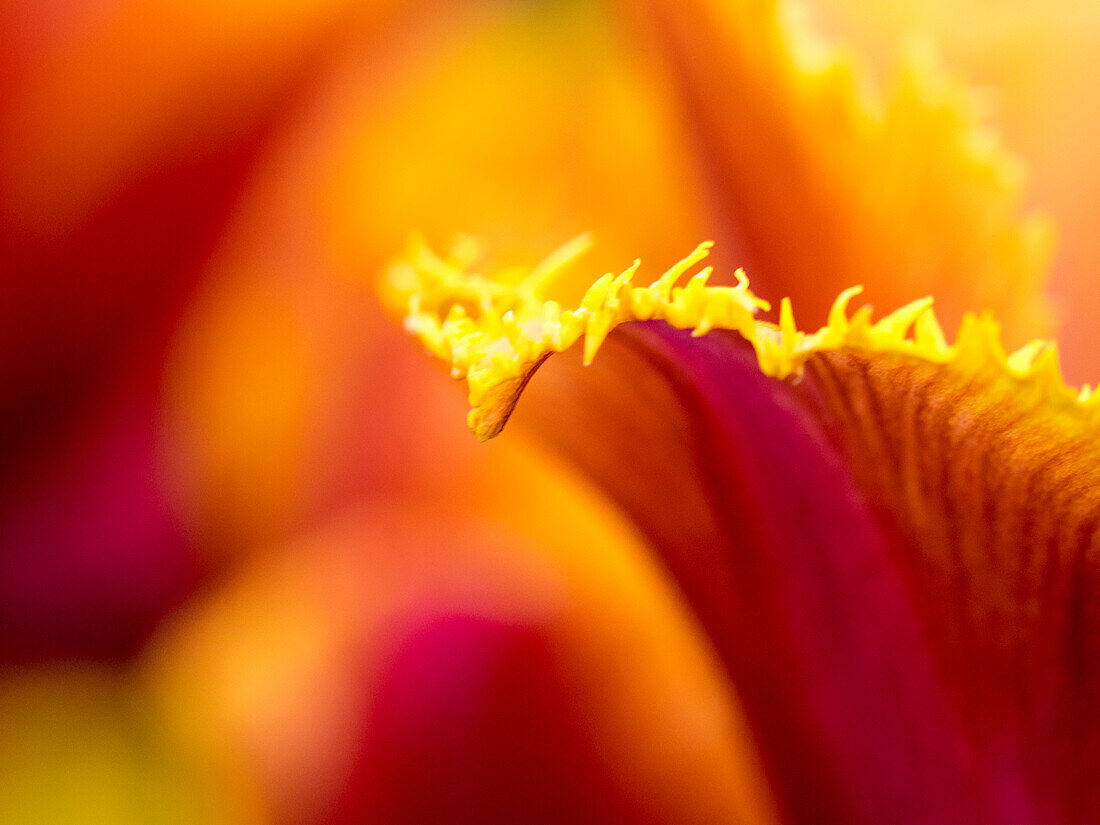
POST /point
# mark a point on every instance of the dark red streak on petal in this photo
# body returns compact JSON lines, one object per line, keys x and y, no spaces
{"x":805,"y":597}
{"x":80,"y":301}
{"x":999,"y":504}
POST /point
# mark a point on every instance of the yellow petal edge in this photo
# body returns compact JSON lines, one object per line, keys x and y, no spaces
{"x":494,"y":331}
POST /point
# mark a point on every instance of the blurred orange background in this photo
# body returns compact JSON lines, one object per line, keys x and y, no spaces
{"x":252,"y":567}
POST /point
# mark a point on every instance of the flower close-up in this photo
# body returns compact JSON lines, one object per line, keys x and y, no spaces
{"x":550,"y":411}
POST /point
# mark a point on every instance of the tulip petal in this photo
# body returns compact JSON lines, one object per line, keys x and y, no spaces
{"x":127,"y":133}
{"x":803,"y":591}
{"x":273,"y":417}
{"x":92,"y":557}
{"x":957,"y":481}
{"x":390,"y":662}
{"x":827,"y":180}
{"x":473,"y":724}
{"x":991,"y":480}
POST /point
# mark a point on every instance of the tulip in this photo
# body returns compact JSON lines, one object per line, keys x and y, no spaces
{"x":887,"y":538}
{"x":261,"y":432}
{"x":260,"y":574}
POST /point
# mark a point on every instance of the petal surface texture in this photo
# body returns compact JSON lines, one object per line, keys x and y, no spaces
{"x":892,"y":548}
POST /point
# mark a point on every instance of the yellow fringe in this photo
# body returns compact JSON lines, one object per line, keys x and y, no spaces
{"x":492,"y":332}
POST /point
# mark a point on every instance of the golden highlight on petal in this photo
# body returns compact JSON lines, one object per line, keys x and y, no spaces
{"x":900,"y":186}
{"x":494,"y":331}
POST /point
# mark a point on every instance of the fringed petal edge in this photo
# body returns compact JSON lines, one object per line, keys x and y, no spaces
{"x":495,"y":331}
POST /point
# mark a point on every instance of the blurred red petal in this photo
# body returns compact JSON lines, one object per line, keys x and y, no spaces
{"x":474,"y":723}
{"x":384,"y":652}
{"x":91,"y":555}
{"x":127,"y":130}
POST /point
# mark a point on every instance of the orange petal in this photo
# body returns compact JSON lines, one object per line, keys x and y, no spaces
{"x":827,"y":181}
{"x":518,"y":122}
{"x":993,"y":483}
{"x":804,"y":599}
{"x":1033,"y":64}
{"x":111,"y":88}
{"x":273,"y":412}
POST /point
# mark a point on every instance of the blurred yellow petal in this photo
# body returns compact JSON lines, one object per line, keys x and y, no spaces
{"x":1032,"y":64}
{"x":825,"y":182}
{"x":273,"y":414}
{"x":78,"y":745}
{"x":518,"y":122}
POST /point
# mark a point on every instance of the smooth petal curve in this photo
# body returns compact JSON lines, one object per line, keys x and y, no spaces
{"x":810,"y":605}
{"x":383,"y":659}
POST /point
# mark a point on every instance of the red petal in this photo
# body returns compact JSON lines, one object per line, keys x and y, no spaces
{"x":807,"y":601}
{"x":473,"y":724}
{"x":993,"y":484}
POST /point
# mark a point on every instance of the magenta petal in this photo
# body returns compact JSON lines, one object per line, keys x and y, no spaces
{"x":91,"y":555}
{"x":805,"y":598}
{"x":473,"y":723}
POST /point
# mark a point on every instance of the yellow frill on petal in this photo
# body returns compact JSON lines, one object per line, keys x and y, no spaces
{"x":495,"y":331}
{"x":827,"y":176}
